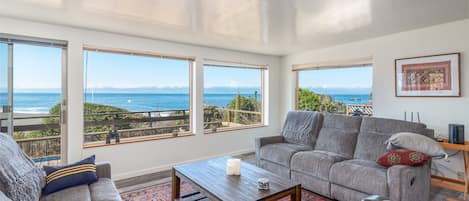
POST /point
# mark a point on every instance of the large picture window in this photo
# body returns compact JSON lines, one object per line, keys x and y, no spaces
{"x":135,"y":97}
{"x":343,"y":90}
{"x":233,"y":96}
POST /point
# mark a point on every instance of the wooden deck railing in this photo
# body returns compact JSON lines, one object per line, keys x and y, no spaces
{"x":365,"y":109}
{"x":225,"y":117}
{"x":149,"y":123}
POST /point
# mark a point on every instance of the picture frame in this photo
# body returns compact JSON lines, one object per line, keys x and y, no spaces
{"x":428,"y":76}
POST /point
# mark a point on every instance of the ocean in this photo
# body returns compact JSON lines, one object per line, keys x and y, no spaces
{"x":40,"y":103}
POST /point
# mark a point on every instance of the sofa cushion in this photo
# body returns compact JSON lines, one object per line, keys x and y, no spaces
{"x":20,"y":178}
{"x":339,"y":134}
{"x":275,"y":168}
{"x":77,"y":193}
{"x":302,"y":127}
{"x":315,"y":163}
{"x":281,"y":153}
{"x":374,"y":132}
{"x":361,"y":175}
{"x":104,"y":190}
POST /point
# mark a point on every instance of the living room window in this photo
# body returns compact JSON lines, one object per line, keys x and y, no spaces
{"x":33,"y":96}
{"x":344,"y":89}
{"x":135,"y":96}
{"x":233,"y":96}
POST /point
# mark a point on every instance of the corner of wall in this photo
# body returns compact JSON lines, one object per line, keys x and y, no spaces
{"x":285,"y":88}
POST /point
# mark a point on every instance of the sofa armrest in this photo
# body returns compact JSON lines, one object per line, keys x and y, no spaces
{"x":3,"y":197}
{"x":262,"y":141}
{"x":409,"y":182}
{"x":103,"y":169}
{"x":430,"y":133}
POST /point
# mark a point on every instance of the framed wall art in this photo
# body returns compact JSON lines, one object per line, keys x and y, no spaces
{"x":428,"y":76}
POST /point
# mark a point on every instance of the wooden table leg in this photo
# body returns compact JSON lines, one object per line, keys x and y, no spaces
{"x":296,"y":195}
{"x":466,"y":172}
{"x":176,"y":185}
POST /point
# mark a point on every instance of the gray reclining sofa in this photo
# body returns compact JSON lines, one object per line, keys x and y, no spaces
{"x":335,"y":156}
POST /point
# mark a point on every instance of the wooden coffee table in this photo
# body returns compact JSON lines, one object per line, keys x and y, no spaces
{"x":209,"y":177}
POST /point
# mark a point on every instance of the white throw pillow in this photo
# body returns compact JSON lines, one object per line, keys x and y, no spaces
{"x":415,"y":142}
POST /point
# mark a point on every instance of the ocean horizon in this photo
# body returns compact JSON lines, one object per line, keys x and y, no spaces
{"x":42,"y":102}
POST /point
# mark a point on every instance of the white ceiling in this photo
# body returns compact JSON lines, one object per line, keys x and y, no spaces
{"x":276,"y":27}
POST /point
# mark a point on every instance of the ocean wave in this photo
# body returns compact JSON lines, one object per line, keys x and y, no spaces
{"x":31,"y":110}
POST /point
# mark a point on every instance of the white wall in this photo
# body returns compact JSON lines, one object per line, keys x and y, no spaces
{"x":435,"y":112}
{"x":139,"y":158}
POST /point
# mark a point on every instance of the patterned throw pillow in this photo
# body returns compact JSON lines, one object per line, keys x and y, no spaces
{"x":62,"y":177}
{"x":402,"y":157}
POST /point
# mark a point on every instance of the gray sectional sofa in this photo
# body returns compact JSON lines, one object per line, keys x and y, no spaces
{"x":335,"y":156}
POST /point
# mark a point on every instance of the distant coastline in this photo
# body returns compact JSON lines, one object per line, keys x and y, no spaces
{"x":41,"y":102}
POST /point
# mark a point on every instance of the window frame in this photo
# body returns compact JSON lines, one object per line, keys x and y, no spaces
{"x":191,"y":62}
{"x":11,"y":40}
{"x":350,"y":63}
{"x":264,"y":68}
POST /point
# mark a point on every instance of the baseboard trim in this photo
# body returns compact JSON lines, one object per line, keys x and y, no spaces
{"x":150,"y":172}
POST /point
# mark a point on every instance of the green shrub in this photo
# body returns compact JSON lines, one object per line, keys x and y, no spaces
{"x":308,"y":100}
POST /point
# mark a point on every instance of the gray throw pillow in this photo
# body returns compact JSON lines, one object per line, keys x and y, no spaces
{"x":415,"y":142}
{"x":20,"y":178}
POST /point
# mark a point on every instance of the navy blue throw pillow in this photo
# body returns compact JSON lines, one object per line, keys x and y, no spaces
{"x":62,"y":177}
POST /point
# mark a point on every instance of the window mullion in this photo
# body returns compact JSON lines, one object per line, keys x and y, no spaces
{"x":198,"y":97}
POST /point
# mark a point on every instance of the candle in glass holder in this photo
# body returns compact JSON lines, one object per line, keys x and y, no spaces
{"x":233,"y":167}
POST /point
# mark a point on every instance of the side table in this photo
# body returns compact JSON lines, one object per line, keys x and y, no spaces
{"x":450,"y":183}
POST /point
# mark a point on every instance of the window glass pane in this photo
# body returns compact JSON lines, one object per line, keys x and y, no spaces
{"x":336,"y":90}
{"x":134,"y":96}
{"x":37,"y":75}
{"x":232,"y":97}
{"x":3,"y":78}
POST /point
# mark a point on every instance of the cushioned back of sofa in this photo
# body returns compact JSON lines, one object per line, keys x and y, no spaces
{"x":302,"y":127}
{"x":339,"y":134}
{"x":375,"y":131}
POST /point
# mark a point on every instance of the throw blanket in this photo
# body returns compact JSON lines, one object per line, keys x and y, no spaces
{"x":302,"y":127}
{"x":20,"y":179}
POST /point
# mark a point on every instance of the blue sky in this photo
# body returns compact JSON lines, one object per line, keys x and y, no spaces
{"x":35,"y":67}
{"x":3,"y":67}
{"x":346,"y":79}
{"x":231,"y":77}
{"x":105,"y":70}
{"x":39,"y":67}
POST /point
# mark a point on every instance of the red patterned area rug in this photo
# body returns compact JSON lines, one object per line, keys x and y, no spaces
{"x":162,"y":192}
